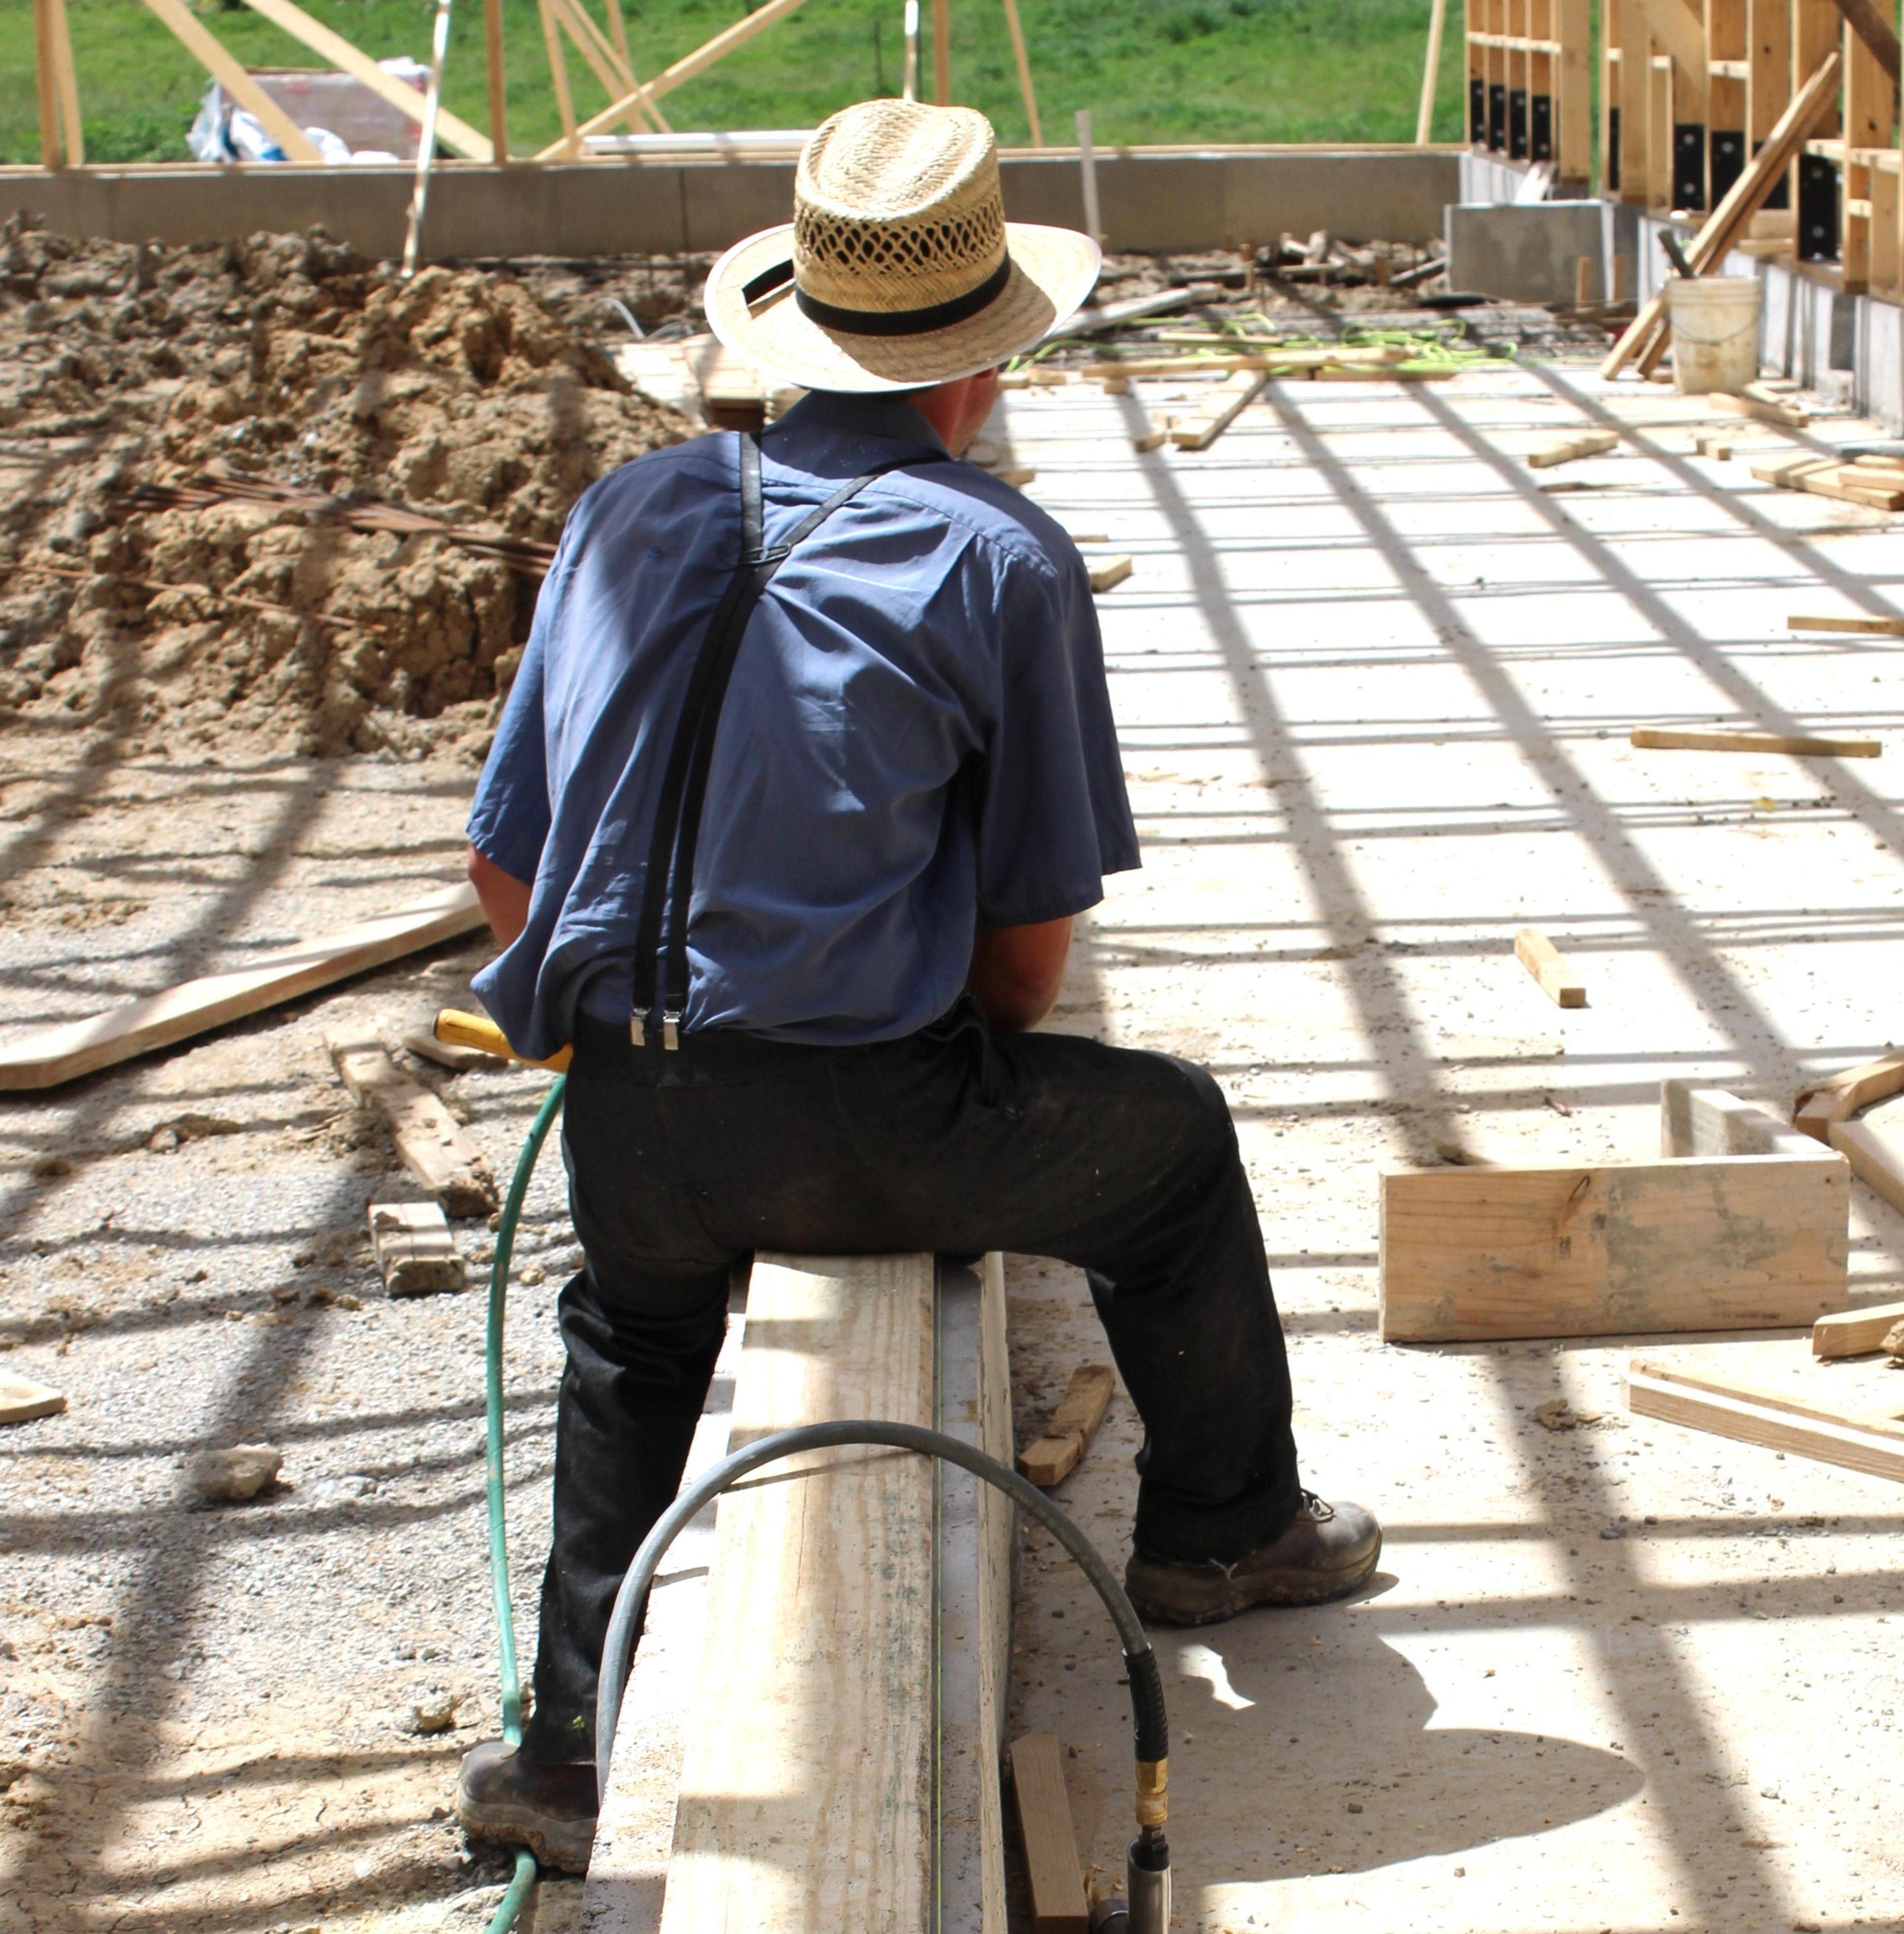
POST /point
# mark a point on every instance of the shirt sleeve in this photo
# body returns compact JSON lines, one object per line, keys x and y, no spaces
{"x":1053,"y":816}
{"x":509,"y":819}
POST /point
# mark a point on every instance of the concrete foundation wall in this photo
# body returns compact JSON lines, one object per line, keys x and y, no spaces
{"x":1150,"y":200}
{"x":1529,"y":253}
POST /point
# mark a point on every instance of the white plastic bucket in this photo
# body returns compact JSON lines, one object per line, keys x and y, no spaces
{"x":1715,"y":322}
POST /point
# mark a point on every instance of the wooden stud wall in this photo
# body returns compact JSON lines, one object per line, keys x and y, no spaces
{"x":1528,"y":64}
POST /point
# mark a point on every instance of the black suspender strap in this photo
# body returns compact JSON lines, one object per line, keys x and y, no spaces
{"x":668,"y":885}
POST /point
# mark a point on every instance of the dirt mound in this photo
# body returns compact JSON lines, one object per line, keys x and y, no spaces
{"x":461,"y":393}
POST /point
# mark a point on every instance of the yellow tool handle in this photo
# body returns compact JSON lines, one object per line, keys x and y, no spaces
{"x":479,"y":1031}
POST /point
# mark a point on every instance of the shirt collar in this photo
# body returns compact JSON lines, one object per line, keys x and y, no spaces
{"x":887,"y":416}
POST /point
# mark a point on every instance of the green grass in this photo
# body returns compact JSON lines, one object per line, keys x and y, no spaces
{"x":1149,"y":70}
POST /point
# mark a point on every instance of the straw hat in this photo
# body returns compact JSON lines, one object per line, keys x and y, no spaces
{"x":899,"y":269}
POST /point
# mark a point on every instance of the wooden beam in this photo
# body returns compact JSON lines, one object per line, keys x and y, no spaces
{"x":1431,"y":68}
{"x":63,"y":1053}
{"x":45,"y":71}
{"x":1680,"y":30}
{"x":1717,"y":1242}
{"x":498,"y":80}
{"x":1541,"y":958}
{"x":211,"y":55}
{"x":415,"y":1252}
{"x":1044,"y":1829}
{"x":22,"y":1400}
{"x":1698,"y":1120}
{"x":1855,"y":1332}
{"x":1649,"y":740}
{"x":1842,"y":1095}
{"x":72,"y":134}
{"x":684,"y":70}
{"x":1574,"y":84}
{"x":1106,"y":573}
{"x":593,"y":46}
{"x":1876,"y":32}
{"x":1767,"y":1418}
{"x":1889,"y":628}
{"x":1213,"y":417}
{"x":290,"y":18}
{"x":1727,"y":221}
{"x":1053,"y":1456}
{"x":1570,"y":449}
{"x":1029,"y":95}
{"x":1876,"y":1158}
{"x":570,"y":144}
{"x":429,"y":1139}
{"x":942,"y":52}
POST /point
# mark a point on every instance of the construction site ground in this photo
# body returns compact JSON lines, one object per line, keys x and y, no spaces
{"x":1374,"y":678}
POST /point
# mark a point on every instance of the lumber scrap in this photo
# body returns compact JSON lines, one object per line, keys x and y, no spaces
{"x":1105,"y":573}
{"x":45,"y":1059}
{"x":1883,"y":627}
{"x":1055,"y":1879}
{"x":1761,"y":409}
{"x":213,"y":56}
{"x":1876,"y":1158}
{"x":1564,"y":1249}
{"x":1855,"y":1332}
{"x":1842,"y":1095}
{"x":1696,"y":1118}
{"x":1542,"y":959}
{"x":72,"y":132}
{"x":1649,"y":739}
{"x":429,"y":1139}
{"x":1217,"y":412}
{"x":1825,"y":477}
{"x":1729,"y":221}
{"x":1769,"y":1418}
{"x":291,"y":19}
{"x":1053,"y":1456}
{"x":1591,"y":443}
{"x":22,"y":1400}
{"x":814,"y":1796}
{"x":415,"y":1251}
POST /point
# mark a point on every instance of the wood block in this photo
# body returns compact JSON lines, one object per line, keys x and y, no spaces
{"x":1876,"y":1157}
{"x":1720,"y":447}
{"x":1593,"y":443}
{"x":22,"y":1400}
{"x":1697,"y":1119}
{"x":416,"y":1253}
{"x":1017,"y":475}
{"x":1890,"y":627}
{"x":1153,"y":438}
{"x":1855,"y":1332}
{"x":1232,"y":398}
{"x":56,"y":1054}
{"x":431,"y":1144}
{"x":1824,"y":477}
{"x":1107,"y":571}
{"x":1073,"y":1423}
{"x":1648,"y":740}
{"x":1044,"y":1827}
{"x":1541,"y":958}
{"x":1715,"y":1242}
{"x":1842,"y":1095}
{"x":1770,"y":1419}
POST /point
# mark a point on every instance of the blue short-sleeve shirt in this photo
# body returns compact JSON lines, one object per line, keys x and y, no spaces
{"x":917,"y":738}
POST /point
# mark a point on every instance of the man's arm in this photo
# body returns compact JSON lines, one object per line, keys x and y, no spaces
{"x":504,"y":897}
{"x":1016,"y":970}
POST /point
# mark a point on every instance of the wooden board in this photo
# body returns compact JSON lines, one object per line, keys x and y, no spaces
{"x":429,"y":1139}
{"x":1228,"y":402}
{"x":74,"y":1048}
{"x":1855,"y":1332}
{"x":415,"y":1252}
{"x":1824,"y":477}
{"x":808,"y":1801}
{"x":1842,"y":1095}
{"x":1044,"y":1829}
{"x":1649,"y":740}
{"x":1564,"y":1249}
{"x":1876,"y":1157}
{"x":1890,"y":627}
{"x":1541,"y":958}
{"x":1698,"y":1120}
{"x":22,"y":1400}
{"x":1053,"y":1456}
{"x":1877,"y":1451}
{"x":1106,"y":573}
{"x":1593,"y":443}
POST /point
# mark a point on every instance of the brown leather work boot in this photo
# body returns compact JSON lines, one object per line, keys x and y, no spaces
{"x":522,"y":1802}
{"x":1327,"y":1551}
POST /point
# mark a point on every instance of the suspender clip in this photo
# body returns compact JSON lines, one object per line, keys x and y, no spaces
{"x":670,"y":1031}
{"x":638,"y":1033}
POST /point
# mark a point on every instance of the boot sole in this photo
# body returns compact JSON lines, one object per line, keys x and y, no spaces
{"x":1295,"y":1591}
{"x":565,"y":1845}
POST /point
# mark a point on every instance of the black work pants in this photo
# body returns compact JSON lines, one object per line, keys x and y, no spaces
{"x":955,"y":1139}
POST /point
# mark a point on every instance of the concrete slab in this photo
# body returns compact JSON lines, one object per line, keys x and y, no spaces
{"x":1529,"y":254}
{"x":1374,"y":685}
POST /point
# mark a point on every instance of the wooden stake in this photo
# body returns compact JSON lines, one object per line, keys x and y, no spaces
{"x":942,"y":52}
{"x":1542,"y":959}
{"x":497,"y":80}
{"x":1582,"y":281}
{"x":44,"y":66}
{"x":1025,"y":69}
{"x":67,"y":82}
{"x":593,"y":46}
{"x":213,"y":56}
{"x":291,"y":19}
{"x":1431,"y":68}
{"x":1648,"y":740}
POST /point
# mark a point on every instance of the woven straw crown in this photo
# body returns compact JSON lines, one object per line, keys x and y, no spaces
{"x":897,"y":207}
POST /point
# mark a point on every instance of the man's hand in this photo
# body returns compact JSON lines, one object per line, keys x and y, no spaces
{"x":1017,"y":971}
{"x":504,"y":897}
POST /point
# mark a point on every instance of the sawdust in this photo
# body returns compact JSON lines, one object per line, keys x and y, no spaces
{"x":461,"y":393}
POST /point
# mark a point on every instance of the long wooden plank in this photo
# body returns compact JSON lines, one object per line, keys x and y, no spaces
{"x":1650,"y":740}
{"x":1044,"y":1829}
{"x":1870,"y":26}
{"x":46,"y":66}
{"x":1231,"y":398}
{"x":684,"y":70}
{"x":1853,"y":1448}
{"x":327,"y":45}
{"x":211,"y":55}
{"x":808,"y":1771}
{"x":63,"y":1053}
{"x":1741,"y":201}
{"x":1855,"y":1332}
{"x":1788,"y":1402}
{"x":72,"y":134}
{"x":1717,"y":1242}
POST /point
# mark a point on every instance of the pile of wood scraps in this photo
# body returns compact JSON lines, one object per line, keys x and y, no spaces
{"x":1877,"y":482}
